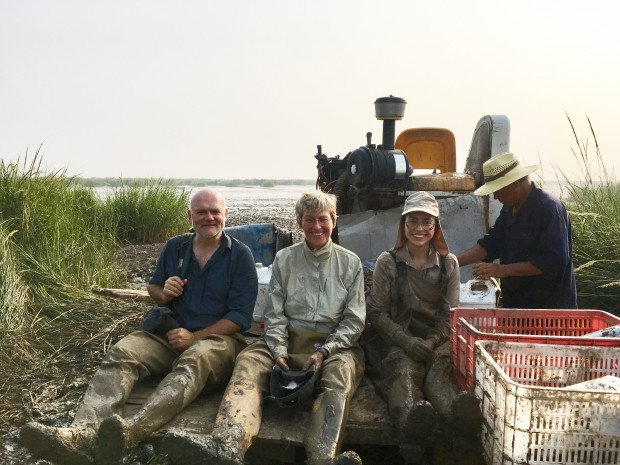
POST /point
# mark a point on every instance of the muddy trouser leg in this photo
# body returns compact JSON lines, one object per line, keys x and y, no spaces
{"x":134,"y":357}
{"x":238,"y":419}
{"x":399,"y":380}
{"x":459,"y":410}
{"x":205,"y":365}
{"x":439,"y":388}
{"x":340,"y":376}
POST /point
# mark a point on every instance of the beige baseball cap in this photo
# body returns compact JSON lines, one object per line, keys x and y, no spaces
{"x":422,"y":201}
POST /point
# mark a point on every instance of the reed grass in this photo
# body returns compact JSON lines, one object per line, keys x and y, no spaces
{"x":148,"y":212}
{"x":58,"y":238}
{"x":14,"y":292}
{"x":594,"y":208}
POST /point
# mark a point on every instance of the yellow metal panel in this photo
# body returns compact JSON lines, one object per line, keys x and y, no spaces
{"x":429,"y":148}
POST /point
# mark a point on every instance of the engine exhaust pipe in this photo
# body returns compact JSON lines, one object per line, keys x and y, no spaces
{"x":389,"y":109}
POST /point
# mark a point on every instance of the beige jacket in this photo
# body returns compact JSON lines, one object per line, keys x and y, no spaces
{"x":315,"y":290}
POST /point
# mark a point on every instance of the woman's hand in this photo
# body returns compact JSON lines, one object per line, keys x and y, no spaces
{"x":282,"y":363}
{"x":316,"y":359}
{"x":418,"y":349}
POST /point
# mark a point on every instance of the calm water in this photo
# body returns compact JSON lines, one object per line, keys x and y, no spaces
{"x":291,"y":192}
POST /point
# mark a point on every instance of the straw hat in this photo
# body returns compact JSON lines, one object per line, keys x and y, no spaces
{"x":500,"y":170}
{"x":422,"y":201}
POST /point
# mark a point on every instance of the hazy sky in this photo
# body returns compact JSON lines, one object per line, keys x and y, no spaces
{"x":248,"y":88}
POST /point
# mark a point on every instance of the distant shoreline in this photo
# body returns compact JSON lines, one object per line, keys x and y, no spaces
{"x":191,"y":182}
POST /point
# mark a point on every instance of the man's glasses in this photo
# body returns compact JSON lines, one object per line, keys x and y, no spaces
{"x":426,"y":225}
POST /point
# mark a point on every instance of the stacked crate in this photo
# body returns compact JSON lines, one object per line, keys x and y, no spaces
{"x":533,"y":411}
{"x":540,"y":326}
{"x":533,"y":371}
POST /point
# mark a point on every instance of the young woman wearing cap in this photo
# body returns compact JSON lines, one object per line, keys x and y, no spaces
{"x":406,"y":342}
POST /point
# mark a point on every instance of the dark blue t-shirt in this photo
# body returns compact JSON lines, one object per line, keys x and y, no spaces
{"x":539,"y":232}
{"x":226,"y":288}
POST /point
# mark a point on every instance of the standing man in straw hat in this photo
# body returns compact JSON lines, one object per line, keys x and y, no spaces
{"x":531,"y":238}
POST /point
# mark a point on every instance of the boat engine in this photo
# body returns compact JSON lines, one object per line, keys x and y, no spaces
{"x":370,"y":177}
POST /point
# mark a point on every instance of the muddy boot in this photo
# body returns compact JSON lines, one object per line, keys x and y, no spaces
{"x":184,"y":448}
{"x":117,"y":436}
{"x":463,"y":427}
{"x":419,"y":432}
{"x":347,"y":458}
{"x":66,"y":446}
{"x":324,"y":433}
{"x":237,"y":423}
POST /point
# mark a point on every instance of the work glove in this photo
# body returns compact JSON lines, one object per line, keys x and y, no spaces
{"x":414,"y":347}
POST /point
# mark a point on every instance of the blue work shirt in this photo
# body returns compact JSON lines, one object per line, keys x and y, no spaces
{"x":539,"y":232}
{"x":226,"y":288}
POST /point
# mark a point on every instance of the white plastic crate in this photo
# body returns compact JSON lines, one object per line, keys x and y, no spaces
{"x":531,"y":416}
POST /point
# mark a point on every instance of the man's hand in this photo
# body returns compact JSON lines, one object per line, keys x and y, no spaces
{"x":488,"y":270}
{"x":173,"y":288}
{"x":504,"y":270}
{"x":282,"y":363}
{"x":180,"y":338}
{"x":315,"y":359}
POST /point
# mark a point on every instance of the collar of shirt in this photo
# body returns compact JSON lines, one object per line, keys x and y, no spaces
{"x":526,"y":209}
{"x":225,"y":243}
{"x":319,"y":254}
{"x":432,"y":260}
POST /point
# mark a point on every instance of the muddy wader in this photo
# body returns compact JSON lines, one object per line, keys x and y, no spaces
{"x":239,"y":417}
{"x":98,"y":433}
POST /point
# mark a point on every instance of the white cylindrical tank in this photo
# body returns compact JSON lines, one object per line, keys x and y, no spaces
{"x":478,"y":293}
{"x":264,"y":276}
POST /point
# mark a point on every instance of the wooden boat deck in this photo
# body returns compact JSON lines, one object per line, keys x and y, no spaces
{"x":368,"y":422}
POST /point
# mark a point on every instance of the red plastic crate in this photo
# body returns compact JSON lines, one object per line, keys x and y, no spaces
{"x":538,"y":326}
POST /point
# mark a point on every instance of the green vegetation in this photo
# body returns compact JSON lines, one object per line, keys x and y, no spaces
{"x":57,"y":240}
{"x":594,"y":207}
{"x":148,"y":212}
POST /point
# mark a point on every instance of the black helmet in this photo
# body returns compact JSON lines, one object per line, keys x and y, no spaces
{"x":290,"y":388}
{"x":158,"y":320}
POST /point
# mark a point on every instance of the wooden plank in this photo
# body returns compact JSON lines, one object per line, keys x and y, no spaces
{"x":368,"y":421}
{"x":126,"y":294}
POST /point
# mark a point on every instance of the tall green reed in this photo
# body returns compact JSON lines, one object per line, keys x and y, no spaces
{"x":14,"y":292}
{"x":57,"y":240}
{"x":61,"y":238}
{"x":594,"y":208}
{"x":148,"y":211}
